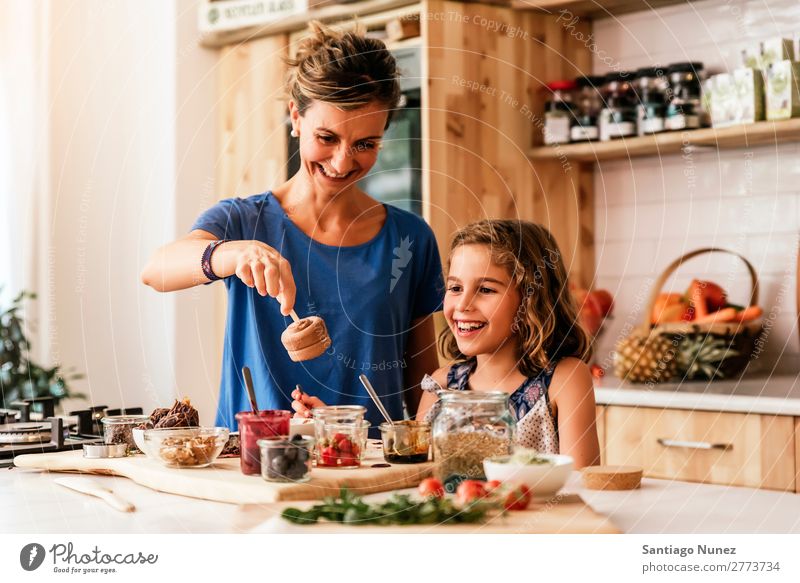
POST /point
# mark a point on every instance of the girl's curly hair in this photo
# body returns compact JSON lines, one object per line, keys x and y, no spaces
{"x":547,"y":318}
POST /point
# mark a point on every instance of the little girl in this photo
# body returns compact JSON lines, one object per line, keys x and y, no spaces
{"x":512,"y":327}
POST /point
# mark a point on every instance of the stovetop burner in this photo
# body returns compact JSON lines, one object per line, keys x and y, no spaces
{"x":22,"y":433}
{"x":19,"y":433}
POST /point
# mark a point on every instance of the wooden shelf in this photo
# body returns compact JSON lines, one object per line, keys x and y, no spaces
{"x":594,"y":8}
{"x":763,"y":133}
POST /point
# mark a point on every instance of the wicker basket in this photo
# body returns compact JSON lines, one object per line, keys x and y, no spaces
{"x":738,"y":338}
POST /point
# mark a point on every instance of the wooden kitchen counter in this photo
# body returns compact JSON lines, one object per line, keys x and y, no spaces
{"x":34,"y":503}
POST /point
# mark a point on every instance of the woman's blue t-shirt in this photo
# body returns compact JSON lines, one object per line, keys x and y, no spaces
{"x":367,"y":294}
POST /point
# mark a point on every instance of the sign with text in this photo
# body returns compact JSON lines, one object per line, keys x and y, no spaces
{"x":233,"y":14}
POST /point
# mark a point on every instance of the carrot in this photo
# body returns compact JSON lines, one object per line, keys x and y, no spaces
{"x":749,"y":313}
{"x":723,"y":315}
{"x":698,"y":300}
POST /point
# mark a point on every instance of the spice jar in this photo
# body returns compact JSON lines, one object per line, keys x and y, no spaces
{"x":341,"y":435}
{"x":118,"y":429}
{"x":588,"y":103}
{"x":684,"y":109}
{"x":469,"y":427}
{"x":559,"y":113}
{"x":255,"y":426}
{"x":651,"y":100}
{"x":618,"y":116}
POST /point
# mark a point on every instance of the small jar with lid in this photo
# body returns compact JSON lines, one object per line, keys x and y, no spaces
{"x":650,"y":87}
{"x":559,"y":113}
{"x":618,"y":117}
{"x":118,"y":430}
{"x":588,"y":103}
{"x":469,"y":427}
{"x":684,"y":110}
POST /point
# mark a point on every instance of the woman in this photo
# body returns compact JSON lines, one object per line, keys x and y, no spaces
{"x":320,"y":245}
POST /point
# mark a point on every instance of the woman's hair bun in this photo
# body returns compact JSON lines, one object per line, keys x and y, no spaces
{"x":344,"y":68}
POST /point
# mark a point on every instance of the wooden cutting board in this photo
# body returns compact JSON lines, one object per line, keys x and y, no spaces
{"x":223,"y":482}
{"x":564,"y":514}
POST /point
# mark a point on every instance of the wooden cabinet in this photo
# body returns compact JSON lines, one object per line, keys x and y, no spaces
{"x":737,"y":449}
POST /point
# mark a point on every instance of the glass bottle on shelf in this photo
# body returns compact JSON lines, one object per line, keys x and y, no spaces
{"x":684,"y":110}
{"x":559,"y":113}
{"x":588,"y":103}
{"x":618,"y":116}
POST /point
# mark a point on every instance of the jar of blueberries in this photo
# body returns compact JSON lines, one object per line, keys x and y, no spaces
{"x":286,"y":460}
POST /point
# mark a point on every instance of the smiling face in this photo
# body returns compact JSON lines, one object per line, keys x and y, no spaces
{"x":338,"y":148}
{"x":481,"y":301}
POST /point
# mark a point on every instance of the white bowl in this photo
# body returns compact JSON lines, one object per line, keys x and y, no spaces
{"x":544,"y":480}
{"x":138,"y":438}
{"x":301,"y":426}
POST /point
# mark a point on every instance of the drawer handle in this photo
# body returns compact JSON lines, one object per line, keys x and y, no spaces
{"x":694,"y":444}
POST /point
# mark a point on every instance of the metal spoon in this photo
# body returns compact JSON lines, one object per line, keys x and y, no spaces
{"x":371,"y":390}
{"x":251,"y":392}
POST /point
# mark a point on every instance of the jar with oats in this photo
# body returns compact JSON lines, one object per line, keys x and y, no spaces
{"x":469,"y":427}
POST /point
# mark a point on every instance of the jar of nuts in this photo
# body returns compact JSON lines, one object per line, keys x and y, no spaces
{"x":469,"y":427}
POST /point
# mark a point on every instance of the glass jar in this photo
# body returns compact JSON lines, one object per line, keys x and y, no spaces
{"x":618,"y":116}
{"x":469,"y":427}
{"x":341,"y":435}
{"x":559,"y":113}
{"x":684,"y":110}
{"x":255,"y":426}
{"x":286,"y":460}
{"x":118,"y":429}
{"x":406,"y":442}
{"x":651,"y":100}
{"x":588,"y":103}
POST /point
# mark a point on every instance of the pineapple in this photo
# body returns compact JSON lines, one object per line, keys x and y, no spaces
{"x":700,"y":356}
{"x":645,"y":357}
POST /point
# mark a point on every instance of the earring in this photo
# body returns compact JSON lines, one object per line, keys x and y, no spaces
{"x":294,"y":133}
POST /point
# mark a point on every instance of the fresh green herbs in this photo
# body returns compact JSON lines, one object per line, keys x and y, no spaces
{"x":351,"y":509}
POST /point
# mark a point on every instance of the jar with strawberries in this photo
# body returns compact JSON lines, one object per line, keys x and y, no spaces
{"x":341,"y":435}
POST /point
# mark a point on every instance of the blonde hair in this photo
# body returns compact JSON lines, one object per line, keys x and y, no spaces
{"x":547,"y":319}
{"x":346,"y":69}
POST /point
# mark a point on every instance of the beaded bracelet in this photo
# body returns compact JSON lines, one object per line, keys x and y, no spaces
{"x":205,"y":261}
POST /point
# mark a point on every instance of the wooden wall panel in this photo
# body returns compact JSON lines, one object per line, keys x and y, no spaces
{"x":486,"y":68}
{"x":252,"y":113}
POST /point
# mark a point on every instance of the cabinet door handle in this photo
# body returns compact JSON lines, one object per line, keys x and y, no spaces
{"x":694,"y":444}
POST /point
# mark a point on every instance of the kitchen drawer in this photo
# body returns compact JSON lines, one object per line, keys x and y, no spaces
{"x":737,"y":449}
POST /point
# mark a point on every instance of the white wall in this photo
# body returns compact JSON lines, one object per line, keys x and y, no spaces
{"x":132,"y":135}
{"x":651,"y":210}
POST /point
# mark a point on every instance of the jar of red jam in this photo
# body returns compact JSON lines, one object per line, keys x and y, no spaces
{"x":255,"y":426}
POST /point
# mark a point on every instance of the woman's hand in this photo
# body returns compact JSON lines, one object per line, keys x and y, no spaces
{"x":302,"y":403}
{"x":177,"y":266}
{"x":260,"y":266}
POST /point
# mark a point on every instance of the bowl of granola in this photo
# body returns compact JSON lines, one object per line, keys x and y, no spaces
{"x":185,"y":447}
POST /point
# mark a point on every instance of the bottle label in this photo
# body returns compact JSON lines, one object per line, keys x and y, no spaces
{"x":582,"y":133}
{"x":682,"y":122}
{"x":556,"y":130}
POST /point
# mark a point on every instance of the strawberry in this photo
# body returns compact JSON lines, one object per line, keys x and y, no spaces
{"x":469,"y":491}
{"x":431,"y":488}
{"x":517,"y":498}
{"x":344,"y":445}
{"x":328,"y":456}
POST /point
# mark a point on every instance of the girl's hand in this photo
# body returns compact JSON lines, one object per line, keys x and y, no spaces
{"x":302,"y":403}
{"x":261,"y":266}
